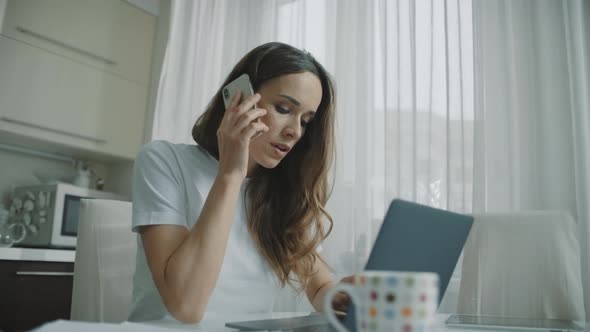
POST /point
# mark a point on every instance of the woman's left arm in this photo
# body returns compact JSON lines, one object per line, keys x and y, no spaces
{"x":320,"y":283}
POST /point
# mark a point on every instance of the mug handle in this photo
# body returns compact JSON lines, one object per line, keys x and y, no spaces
{"x":329,"y":311}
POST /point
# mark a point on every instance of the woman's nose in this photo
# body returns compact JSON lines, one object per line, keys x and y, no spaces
{"x":293,"y":131}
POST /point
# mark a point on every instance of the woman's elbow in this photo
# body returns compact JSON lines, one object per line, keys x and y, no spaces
{"x":185,"y":312}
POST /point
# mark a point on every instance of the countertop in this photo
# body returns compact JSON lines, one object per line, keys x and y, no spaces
{"x":37,"y":254}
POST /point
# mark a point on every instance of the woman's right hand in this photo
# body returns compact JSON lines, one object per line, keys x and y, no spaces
{"x":237,"y":128}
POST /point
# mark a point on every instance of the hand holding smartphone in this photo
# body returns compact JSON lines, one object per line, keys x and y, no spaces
{"x":242,"y":84}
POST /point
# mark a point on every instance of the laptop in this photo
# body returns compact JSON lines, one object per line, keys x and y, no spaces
{"x":413,"y":237}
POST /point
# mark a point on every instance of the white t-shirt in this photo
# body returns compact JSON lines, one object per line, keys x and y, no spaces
{"x":170,"y":185}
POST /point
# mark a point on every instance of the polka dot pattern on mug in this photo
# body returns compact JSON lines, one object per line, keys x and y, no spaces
{"x":392,"y":281}
{"x":390,"y":297}
{"x":374,"y":296}
{"x":389,"y":314}
{"x":421,"y":313}
{"x":373,"y":312}
{"x":376,"y":281}
{"x":406,"y":312}
{"x":401,"y":302}
{"x":373,"y":326}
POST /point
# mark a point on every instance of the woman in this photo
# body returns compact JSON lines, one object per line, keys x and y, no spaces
{"x":225,"y":223}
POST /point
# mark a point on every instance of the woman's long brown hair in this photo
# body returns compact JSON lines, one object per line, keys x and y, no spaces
{"x":285,"y":205}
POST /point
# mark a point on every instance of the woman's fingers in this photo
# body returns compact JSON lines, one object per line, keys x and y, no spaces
{"x":348,"y":279}
{"x":246,"y":105}
{"x":249,"y":117}
{"x":254,"y":129}
{"x":236,"y":109}
{"x":341,"y":301}
{"x":239,"y":121}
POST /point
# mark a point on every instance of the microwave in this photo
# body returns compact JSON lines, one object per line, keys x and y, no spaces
{"x":51,"y":213}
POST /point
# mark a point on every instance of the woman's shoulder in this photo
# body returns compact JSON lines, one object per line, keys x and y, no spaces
{"x":166,"y":148}
{"x":167,"y":152}
{"x":154,"y":151}
{"x":158,"y":147}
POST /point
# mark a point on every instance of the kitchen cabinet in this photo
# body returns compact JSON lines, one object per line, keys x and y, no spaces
{"x":51,"y":98}
{"x":33,"y":293}
{"x":74,"y":76}
{"x":111,"y":35}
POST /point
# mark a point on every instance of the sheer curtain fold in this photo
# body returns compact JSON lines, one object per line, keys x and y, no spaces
{"x":206,"y":38}
{"x":403,"y":73}
{"x":579,"y":75}
{"x":394,"y":122}
{"x":532,"y":111}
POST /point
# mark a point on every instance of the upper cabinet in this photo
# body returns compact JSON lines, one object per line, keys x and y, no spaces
{"x":111,"y":35}
{"x":52,"y":99}
{"x":74,"y":76}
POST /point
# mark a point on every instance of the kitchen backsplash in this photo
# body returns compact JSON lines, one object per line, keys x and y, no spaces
{"x":17,"y":169}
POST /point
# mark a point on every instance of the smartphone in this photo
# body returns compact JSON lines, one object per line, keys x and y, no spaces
{"x":242,"y":84}
{"x":511,"y":323}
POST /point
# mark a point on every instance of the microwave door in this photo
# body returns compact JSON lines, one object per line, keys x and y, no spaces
{"x":69,"y":226}
{"x":65,"y":224}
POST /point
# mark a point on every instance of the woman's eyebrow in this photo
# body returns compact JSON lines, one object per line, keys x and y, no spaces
{"x":291,"y":99}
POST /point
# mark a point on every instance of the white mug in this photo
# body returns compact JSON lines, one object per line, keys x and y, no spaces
{"x":389,"y":301}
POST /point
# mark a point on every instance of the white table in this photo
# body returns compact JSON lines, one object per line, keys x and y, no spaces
{"x":210,"y":323}
{"x":216,"y":322}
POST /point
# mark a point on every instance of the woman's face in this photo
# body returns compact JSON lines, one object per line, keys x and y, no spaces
{"x":291,"y":102}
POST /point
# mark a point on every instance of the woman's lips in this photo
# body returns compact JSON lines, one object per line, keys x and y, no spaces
{"x":280,"y":150}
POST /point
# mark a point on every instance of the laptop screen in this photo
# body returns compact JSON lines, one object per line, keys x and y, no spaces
{"x":419,"y":238}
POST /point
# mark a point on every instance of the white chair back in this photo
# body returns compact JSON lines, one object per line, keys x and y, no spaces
{"x":524,"y":264}
{"x":105,"y":262}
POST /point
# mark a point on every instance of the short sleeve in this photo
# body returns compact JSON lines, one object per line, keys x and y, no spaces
{"x":158,"y":189}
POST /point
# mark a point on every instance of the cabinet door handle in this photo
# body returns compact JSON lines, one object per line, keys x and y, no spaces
{"x":62,"y":132}
{"x":65,"y":45}
{"x":45,"y":273}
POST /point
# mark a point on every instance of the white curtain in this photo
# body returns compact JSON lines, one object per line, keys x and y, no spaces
{"x":532,"y":121}
{"x":404,"y":76}
{"x":405,"y":116}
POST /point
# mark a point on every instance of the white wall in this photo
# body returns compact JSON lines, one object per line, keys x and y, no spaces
{"x":161,"y":38}
{"x":150,"y":6}
{"x":2,"y":8}
{"x":119,"y":179}
{"x":586,"y":5}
